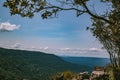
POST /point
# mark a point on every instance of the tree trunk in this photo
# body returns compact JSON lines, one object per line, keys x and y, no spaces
{"x":116,"y":73}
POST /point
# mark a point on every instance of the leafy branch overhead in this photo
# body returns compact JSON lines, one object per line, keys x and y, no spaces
{"x":48,"y":8}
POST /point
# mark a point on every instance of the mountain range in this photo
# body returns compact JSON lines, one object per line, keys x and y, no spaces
{"x":32,"y":65}
{"x":87,"y":61}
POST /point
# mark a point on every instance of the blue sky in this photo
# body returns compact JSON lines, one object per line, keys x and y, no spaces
{"x":64,"y":32}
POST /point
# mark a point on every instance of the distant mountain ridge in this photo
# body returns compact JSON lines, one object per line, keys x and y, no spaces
{"x":32,"y":65}
{"x":87,"y":61}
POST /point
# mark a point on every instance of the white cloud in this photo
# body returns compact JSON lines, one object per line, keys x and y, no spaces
{"x":76,"y":52}
{"x":33,"y":48}
{"x":95,"y":49}
{"x":90,"y":52}
{"x":65,"y":49}
{"x":7,"y":26}
{"x":16,"y":45}
{"x":45,"y":48}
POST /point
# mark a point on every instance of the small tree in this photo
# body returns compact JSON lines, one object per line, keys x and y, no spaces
{"x":106,"y":27}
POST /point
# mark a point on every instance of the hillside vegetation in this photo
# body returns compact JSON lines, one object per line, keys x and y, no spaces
{"x":30,"y":65}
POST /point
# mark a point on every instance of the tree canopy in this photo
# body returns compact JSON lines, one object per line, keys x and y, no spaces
{"x":105,"y":27}
{"x":49,"y":8}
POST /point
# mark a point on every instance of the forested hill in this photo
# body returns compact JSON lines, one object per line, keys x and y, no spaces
{"x":30,"y":65}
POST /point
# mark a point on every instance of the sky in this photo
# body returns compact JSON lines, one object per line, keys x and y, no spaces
{"x":65,"y":35}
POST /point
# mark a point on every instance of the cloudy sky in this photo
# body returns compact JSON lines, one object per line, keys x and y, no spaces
{"x":64,"y":35}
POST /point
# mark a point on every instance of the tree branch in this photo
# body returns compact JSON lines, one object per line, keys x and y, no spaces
{"x":64,"y":8}
{"x":93,"y":15}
